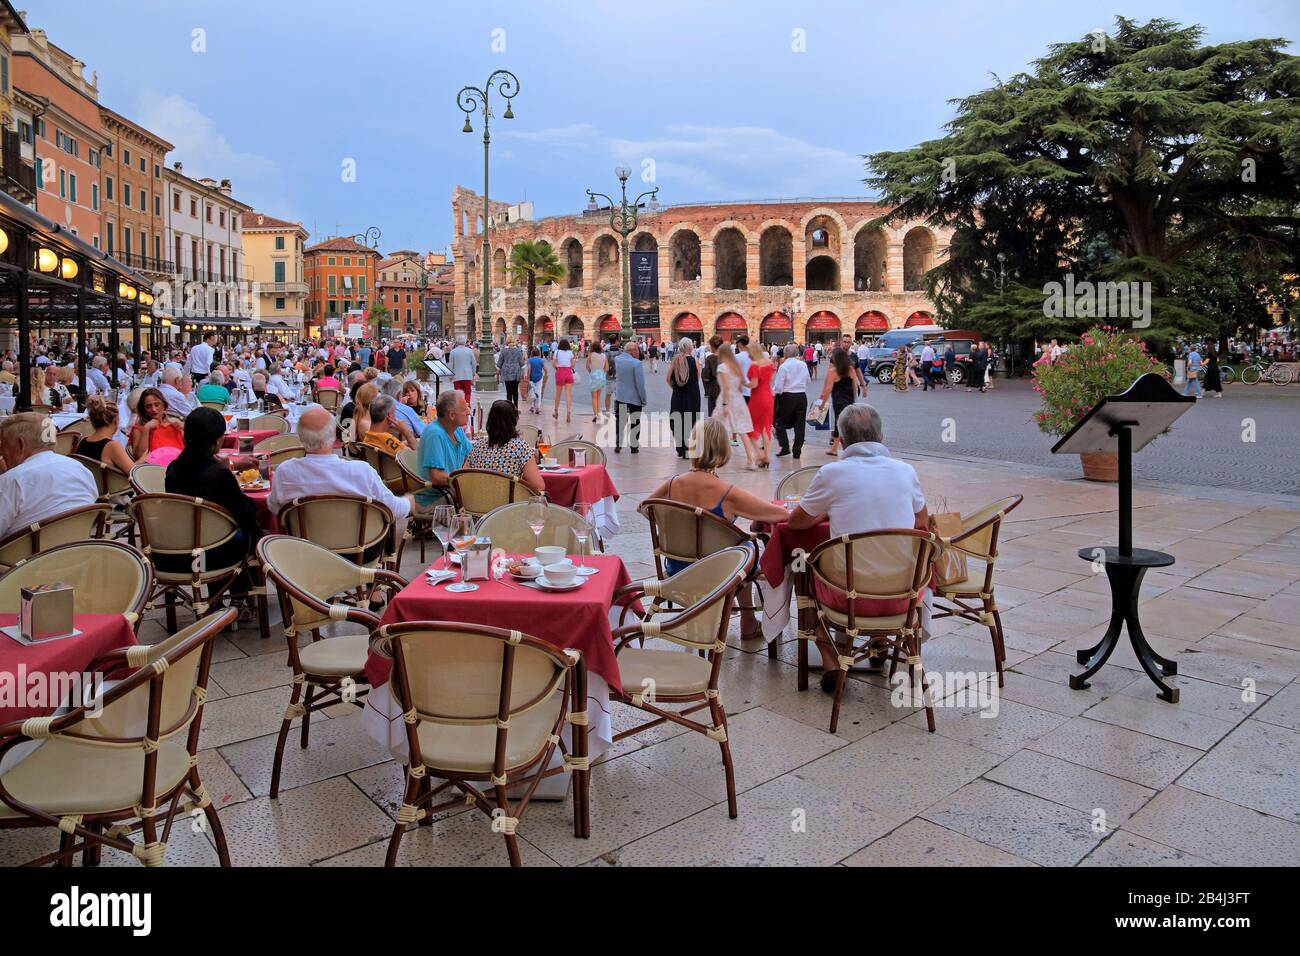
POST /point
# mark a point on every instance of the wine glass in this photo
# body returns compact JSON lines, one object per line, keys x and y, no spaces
{"x":535,"y":515}
{"x":462,"y":536}
{"x":582,"y":531}
{"x":442,"y":515}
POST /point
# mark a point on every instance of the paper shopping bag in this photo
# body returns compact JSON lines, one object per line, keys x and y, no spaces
{"x":950,"y":566}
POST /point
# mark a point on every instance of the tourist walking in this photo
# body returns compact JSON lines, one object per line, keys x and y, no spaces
{"x":927,"y":366}
{"x":464,"y":365}
{"x":596,"y":378}
{"x":537,"y":375}
{"x":949,"y":365}
{"x":509,"y":369}
{"x":1192,"y":383}
{"x":709,"y":373}
{"x":1213,"y":380}
{"x":790,"y":392}
{"x":979,"y":363}
{"x":684,"y":405}
{"x":563,"y":380}
{"x":629,"y":398}
{"x":731,"y":407}
{"x":840,"y":388}
{"x":761,"y":405}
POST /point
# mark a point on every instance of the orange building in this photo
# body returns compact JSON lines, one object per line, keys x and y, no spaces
{"x":341,"y":275}
{"x":132,"y":201}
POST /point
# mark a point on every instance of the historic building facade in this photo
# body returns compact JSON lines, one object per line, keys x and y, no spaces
{"x":722,"y":267}
{"x":340,"y":275}
{"x":273,"y":263}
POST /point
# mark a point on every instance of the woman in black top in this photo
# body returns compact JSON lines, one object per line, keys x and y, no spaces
{"x":199,"y":473}
{"x":1213,"y":378}
{"x":842,"y":387}
{"x":100,"y":445}
{"x":709,"y":373}
{"x":684,"y":407}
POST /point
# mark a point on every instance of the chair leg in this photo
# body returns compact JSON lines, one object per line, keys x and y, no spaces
{"x":214,"y":822}
{"x":306,"y":716}
{"x":512,"y":842}
{"x":719,"y":714}
{"x":281,"y":740}
{"x":999,"y":642}
{"x":915,"y":672}
{"x":395,"y":841}
{"x":169,"y":599}
{"x":65,"y":848}
{"x":426,"y":791}
{"x":91,"y":854}
{"x":803,"y":663}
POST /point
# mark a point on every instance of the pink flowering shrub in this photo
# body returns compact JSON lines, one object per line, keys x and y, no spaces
{"x":1105,"y":362}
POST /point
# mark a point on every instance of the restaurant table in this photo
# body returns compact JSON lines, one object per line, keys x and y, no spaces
{"x":582,"y":619}
{"x":100,"y":633}
{"x":589,"y":483}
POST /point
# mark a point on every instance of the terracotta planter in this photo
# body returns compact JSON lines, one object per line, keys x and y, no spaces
{"x":1103,"y":466}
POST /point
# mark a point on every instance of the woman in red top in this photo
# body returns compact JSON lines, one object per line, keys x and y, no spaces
{"x":153,"y":429}
{"x":761,"y":402}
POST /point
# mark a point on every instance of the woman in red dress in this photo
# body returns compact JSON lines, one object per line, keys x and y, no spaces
{"x":761,"y":403}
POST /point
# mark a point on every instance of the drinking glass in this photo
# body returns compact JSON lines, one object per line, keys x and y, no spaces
{"x":462,"y":536}
{"x":442,"y":515}
{"x":535,"y":515}
{"x":582,"y":531}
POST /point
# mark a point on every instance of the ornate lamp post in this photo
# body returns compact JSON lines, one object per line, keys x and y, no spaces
{"x":370,"y":238}
{"x":470,"y":99}
{"x":623,"y":220}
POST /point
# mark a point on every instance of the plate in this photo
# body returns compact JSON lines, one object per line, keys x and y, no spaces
{"x":525,"y":577}
{"x":256,"y":486}
{"x":545,"y":584}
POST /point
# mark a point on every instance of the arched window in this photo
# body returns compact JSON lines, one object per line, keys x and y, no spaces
{"x":776,"y":257}
{"x":918,"y":257}
{"x":686,"y":256}
{"x":870,"y":261}
{"x":729,"y":260}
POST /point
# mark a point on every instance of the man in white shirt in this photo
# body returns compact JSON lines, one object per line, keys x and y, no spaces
{"x":178,"y":392}
{"x":866,"y":490}
{"x":464,"y":366}
{"x":199,"y":363}
{"x":927,"y":367}
{"x":96,"y":379}
{"x":790,"y":386}
{"x":744,"y":360}
{"x":38,"y":483}
{"x":321,"y":472}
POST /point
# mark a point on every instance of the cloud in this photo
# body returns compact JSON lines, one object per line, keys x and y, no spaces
{"x":200,"y":146}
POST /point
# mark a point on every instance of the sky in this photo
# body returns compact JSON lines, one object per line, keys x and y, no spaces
{"x":342,"y":113}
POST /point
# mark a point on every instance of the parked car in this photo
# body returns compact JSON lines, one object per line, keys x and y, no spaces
{"x":882,"y":358}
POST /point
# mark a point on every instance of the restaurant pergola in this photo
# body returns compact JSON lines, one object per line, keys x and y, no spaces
{"x":53,"y":281}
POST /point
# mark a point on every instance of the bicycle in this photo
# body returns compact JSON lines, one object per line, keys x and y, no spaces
{"x":1274,"y":372}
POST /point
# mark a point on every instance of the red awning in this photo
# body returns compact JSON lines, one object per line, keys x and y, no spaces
{"x":920,"y":318}
{"x":776,"y":320}
{"x":610,"y":323}
{"x":872,"y":322}
{"x":824,"y":321}
{"x":731,"y":321}
{"x":548,"y":325}
{"x":688,"y":322}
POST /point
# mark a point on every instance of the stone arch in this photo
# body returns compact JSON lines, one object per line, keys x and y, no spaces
{"x":822,"y":274}
{"x":729,"y":254}
{"x":519,"y":325}
{"x":823,"y":233}
{"x":499,"y":268}
{"x":684,"y":249}
{"x":645,"y":242}
{"x":919,"y":317}
{"x":822,"y":326}
{"x":776,"y":255}
{"x":729,"y":324}
{"x":574,"y":328}
{"x":609,"y":323}
{"x":570,"y":256}
{"x":873,"y":320}
{"x":604,"y":260}
{"x":919,"y":257}
{"x":870,"y":260}
{"x":499,"y":330}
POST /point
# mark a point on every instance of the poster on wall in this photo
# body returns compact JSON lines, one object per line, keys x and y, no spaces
{"x":644,"y":270}
{"x":433,"y":315}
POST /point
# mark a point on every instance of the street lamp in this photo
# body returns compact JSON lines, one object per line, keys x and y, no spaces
{"x":623,"y":220}
{"x":1000,"y":278}
{"x":470,"y":99}
{"x":370,"y":238}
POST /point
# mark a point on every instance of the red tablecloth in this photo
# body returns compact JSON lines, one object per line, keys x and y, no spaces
{"x":590,"y":483}
{"x":577,"y":619}
{"x":100,"y":633}
{"x":231,"y":439}
{"x":782,"y":545}
{"x":265,"y":520}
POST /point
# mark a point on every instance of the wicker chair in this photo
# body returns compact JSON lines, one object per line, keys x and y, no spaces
{"x":358,"y":529}
{"x":308,"y":580}
{"x":149,"y":479}
{"x":797,"y":482}
{"x":889,"y":569}
{"x":484,"y":708}
{"x":269,"y":422}
{"x":66,"y":441}
{"x":328,"y":398}
{"x":100,"y":776}
{"x":684,"y":532}
{"x":972,"y":599}
{"x":115,"y":490}
{"x":278,"y":457}
{"x":76,"y":524}
{"x":560,"y":451}
{"x":215,"y":406}
{"x":653,"y":676}
{"x":507,"y":526}
{"x":82,"y":427}
{"x":185,"y":527}
{"x":529,"y":433}
{"x":106,"y":577}
{"x":477,"y":491}
{"x":278,"y":442}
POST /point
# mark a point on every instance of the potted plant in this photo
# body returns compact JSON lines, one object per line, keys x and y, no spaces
{"x":415,"y":362}
{"x":1106,"y":361}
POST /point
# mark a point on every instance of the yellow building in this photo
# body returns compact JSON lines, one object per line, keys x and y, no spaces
{"x":16,"y":177}
{"x":273,"y":265}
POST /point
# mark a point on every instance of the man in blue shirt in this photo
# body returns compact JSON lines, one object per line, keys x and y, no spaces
{"x":629,"y":396}
{"x":364,"y":355}
{"x":1193,"y":382}
{"x":442,"y":450}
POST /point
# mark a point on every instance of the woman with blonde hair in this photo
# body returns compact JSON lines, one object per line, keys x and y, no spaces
{"x":360,"y":420}
{"x":684,"y":407}
{"x":597,"y":372}
{"x":710,"y":449}
{"x":731,"y":409}
{"x":101,"y":444}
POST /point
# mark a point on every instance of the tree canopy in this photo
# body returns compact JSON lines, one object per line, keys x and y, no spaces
{"x":533,"y":263}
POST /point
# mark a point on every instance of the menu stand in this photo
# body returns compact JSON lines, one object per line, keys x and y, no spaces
{"x":1122,"y":424}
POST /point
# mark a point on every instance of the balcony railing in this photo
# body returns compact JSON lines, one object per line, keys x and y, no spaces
{"x":20,"y":178}
{"x":144,"y":263}
{"x":292,"y":288}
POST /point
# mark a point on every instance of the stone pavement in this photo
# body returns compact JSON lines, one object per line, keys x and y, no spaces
{"x":1102,"y":777}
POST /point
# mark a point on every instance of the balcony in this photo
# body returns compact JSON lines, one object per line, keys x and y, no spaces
{"x":282,"y":288}
{"x":145,"y":263}
{"x":19,"y":177}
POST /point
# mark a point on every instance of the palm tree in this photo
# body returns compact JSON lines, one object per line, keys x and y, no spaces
{"x":534,"y":263}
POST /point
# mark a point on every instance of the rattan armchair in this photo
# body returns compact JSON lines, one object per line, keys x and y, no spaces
{"x":560,"y":451}
{"x":268,"y":422}
{"x":797,"y":482}
{"x":124,"y":763}
{"x":356,"y":528}
{"x":529,"y":433}
{"x":106,"y":577}
{"x":477,"y":491}
{"x":972,"y":599}
{"x":278,"y":457}
{"x":507,"y":526}
{"x":689,"y":673}
{"x":149,"y":479}
{"x":76,"y":524}
{"x":215,"y":406}
{"x":66,"y":441}
{"x":278,"y":442}
{"x":889,"y":569}
{"x":328,"y":398}
{"x":308,"y":581}
{"x":484,"y":708}
{"x":115,"y":490}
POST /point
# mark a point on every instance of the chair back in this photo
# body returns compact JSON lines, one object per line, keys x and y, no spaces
{"x":307,"y":578}
{"x":110,"y":482}
{"x":285,"y":454}
{"x":408,"y":459}
{"x":327,"y":398}
{"x":507,"y":526}
{"x":890,"y":565}
{"x":76,"y":524}
{"x":353,"y":527}
{"x":560,"y":451}
{"x":66,"y":441}
{"x":277,"y":442}
{"x":181,"y":526}
{"x":106,"y":577}
{"x":453,"y":675}
{"x":979,"y":529}
{"x":215,"y":406}
{"x":269,"y":422}
{"x":529,"y":433}
{"x":704,"y":591}
{"x":797,"y":482}
{"x":477,"y":491}
{"x":388,"y":467}
{"x":688,"y":533}
{"x":82,"y":427}
{"x":149,"y":479}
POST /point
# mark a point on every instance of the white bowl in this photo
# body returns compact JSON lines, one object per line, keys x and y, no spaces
{"x":548,"y":554}
{"x":562,"y":573}
{"x":528,"y":569}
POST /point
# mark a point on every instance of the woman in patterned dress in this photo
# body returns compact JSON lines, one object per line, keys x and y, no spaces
{"x":731,"y":407}
{"x":501,"y":449}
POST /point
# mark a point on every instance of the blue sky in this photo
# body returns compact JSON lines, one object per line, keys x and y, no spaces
{"x":714,"y":92}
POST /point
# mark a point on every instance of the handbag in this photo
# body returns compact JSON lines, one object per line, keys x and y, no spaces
{"x":950,"y":565}
{"x":819,"y":416}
